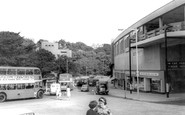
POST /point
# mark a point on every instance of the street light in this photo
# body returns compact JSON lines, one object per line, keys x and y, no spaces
{"x":166,"y":59}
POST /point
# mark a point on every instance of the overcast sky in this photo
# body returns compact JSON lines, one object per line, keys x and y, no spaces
{"x":87,"y":21}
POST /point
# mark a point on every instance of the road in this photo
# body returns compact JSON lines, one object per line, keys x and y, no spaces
{"x":78,"y":105}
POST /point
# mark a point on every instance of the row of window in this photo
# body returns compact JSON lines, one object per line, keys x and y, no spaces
{"x":20,"y":72}
{"x":20,"y":86}
{"x":49,"y":45}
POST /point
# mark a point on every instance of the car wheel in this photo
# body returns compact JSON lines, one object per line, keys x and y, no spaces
{"x":2,"y":97}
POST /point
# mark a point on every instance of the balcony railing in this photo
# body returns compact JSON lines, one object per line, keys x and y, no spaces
{"x":177,"y":26}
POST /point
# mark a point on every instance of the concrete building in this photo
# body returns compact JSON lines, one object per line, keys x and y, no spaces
{"x":161,"y":51}
{"x":56,"y":49}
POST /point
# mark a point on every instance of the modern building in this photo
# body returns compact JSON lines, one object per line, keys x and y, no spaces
{"x":160,"y":42}
{"x":56,"y":48}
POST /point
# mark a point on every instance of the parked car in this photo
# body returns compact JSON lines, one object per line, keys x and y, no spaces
{"x":85,"y":87}
{"x":102,"y":88}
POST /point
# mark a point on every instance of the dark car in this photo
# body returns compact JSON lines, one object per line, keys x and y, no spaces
{"x":85,"y":87}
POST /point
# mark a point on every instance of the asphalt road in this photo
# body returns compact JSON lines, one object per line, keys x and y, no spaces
{"x":78,"y":105}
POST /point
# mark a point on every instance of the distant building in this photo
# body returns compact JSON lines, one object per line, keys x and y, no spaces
{"x":56,"y":48}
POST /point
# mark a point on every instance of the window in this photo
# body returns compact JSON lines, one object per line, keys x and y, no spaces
{"x":29,"y":72}
{"x":2,"y":71}
{"x":11,"y":72}
{"x":2,"y":87}
{"x":36,"y":71}
{"x":11,"y":86}
{"x":38,"y":84}
{"x":21,"y":71}
{"x":20,"y":86}
{"x":29,"y":85}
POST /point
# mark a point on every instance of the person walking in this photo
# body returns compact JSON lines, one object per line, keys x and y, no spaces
{"x":58,"y":92}
{"x":68,"y":92}
{"x":102,"y":108}
{"x":92,"y":105}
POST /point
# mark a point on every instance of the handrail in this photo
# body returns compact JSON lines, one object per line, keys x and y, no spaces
{"x":177,"y":26}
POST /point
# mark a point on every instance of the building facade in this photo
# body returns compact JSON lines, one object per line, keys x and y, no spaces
{"x":160,"y":40}
{"x":56,"y":49}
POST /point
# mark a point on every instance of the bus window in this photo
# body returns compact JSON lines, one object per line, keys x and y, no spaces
{"x":20,"y":86}
{"x":29,"y":72}
{"x":36,"y":71}
{"x":38,"y":84}
{"x":2,"y":87}
{"x":2,"y":71}
{"x":20,"y":71}
{"x":11,"y":86}
{"x":29,"y":86}
{"x":11,"y":72}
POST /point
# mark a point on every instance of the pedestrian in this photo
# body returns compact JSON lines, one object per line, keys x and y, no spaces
{"x":92,"y":105}
{"x":68,"y":92}
{"x":58,"y":92}
{"x":102,"y":108}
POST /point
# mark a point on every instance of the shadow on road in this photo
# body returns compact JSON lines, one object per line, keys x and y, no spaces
{"x":176,"y":102}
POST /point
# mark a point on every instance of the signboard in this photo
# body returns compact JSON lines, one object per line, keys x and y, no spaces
{"x":146,"y":74}
{"x":174,"y":65}
{"x":16,"y":78}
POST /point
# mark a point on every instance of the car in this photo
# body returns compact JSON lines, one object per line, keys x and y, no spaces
{"x":102,"y":88}
{"x":85,"y":87}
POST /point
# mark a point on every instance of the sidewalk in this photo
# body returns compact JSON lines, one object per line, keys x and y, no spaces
{"x":148,"y":97}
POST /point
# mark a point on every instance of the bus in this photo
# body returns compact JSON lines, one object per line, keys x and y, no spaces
{"x":20,"y":82}
{"x":66,"y":80}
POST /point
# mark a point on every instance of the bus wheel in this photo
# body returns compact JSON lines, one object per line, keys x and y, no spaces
{"x":40,"y":94}
{"x":2,"y":97}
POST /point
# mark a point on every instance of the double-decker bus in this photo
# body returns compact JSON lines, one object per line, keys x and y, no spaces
{"x":20,"y":82}
{"x":66,"y":80}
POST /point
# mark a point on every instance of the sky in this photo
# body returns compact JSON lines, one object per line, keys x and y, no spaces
{"x":88,"y":21}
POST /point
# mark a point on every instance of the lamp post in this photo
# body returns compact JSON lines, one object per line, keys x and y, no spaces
{"x":137,"y":72}
{"x":130,"y":66}
{"x":166,"y":60}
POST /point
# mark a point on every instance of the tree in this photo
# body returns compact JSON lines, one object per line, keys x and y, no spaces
{"x":106,"y":48}
{"x":43,"y":59}
{"x":14,"y":49}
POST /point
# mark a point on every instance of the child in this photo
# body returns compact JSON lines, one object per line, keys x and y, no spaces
{"x":92,"y":106}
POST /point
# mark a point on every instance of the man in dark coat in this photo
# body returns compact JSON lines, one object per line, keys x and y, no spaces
{"x":92,"y":106}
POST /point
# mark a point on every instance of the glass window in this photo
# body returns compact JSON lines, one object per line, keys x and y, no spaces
{"x":20,"y":86}
{"x":38,"y":84}
{"x":2,"y":71}
{"x":11,"y":86}
{"x":21,"y":71}
{"x":29,"y":85}
{"x":2,"y":87}
{"x":11,"y":72}
{"x":29,"y":72}
{"x":37,"y":71}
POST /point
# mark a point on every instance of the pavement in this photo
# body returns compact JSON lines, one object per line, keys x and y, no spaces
{"x":144,"y":96}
